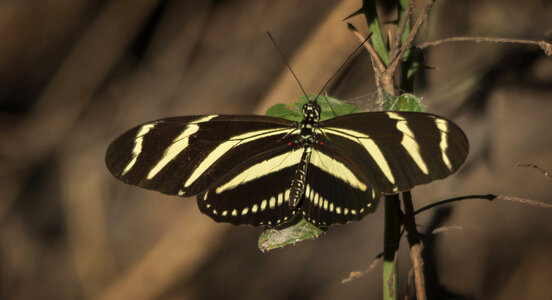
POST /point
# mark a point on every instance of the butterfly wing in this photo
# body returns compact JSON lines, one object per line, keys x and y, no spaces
{"x":336,"y":191}
{"x":395,"y":151}
{"x":242,"y":166}
{"x":357,"y":157}
{"x":256,"y":192}
{"x":185,"y":155}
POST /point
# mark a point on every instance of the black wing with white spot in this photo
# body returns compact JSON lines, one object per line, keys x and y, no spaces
{"x":246,"y":169}
{"x":256,"y":192}
{"x":335,"y":194}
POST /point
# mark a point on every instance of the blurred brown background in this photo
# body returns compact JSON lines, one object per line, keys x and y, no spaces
{"x":75,"y":74}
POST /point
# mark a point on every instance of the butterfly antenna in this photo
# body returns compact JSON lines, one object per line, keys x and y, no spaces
{"x":329,"y":105}
{"x":287,"y":64}
{"x":341,"y":67}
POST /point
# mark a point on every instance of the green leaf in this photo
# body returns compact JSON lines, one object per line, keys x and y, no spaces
{"x":276,"y":238}
{"x":283,"y":111}
{"x":404,"y":102}
{"x":369,"y":8}
{"x":331,"y":108}
{"x":272,"y":239}
{"x":414,"y":67}
{"x":408,"y":65}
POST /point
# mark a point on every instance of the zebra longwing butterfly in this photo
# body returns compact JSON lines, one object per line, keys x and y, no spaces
{"x":263,"y":171}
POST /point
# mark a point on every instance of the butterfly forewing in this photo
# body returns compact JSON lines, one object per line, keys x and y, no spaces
{"x":185,"y":155}
{"x":396,"y":151}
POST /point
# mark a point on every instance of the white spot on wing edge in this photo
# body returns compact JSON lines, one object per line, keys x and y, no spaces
{"x":408,"y":142}
{"x":315,"y":201}
{"x":138,"y":145}
{"x":442,"y":125}
{"x":286,"y":195}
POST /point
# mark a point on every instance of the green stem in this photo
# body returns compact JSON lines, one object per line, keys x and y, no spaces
{"x":407,"y":64}
{"x":390,"y":245}
{"x":369,"y":7}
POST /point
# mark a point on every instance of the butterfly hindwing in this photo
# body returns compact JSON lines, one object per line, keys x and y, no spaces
{"x":184,"y":155}
{"x":256,"y":191}
{"x":334,"y":192}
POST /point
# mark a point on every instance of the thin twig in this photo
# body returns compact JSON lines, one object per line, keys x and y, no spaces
{"x":410,"y":39}
{"x":524,"y":201}
{"x":541,"y":170}
{"x":415,"y":244}
{"x":418,"y":268}
{"x":446,"y":228}
{"x":357,"y":274}
{"x":544,"y":45}
{"x":402,"y":26}
{"x":391,"y":37}
{"x":342,"y":66}
{"x":375,"y":57}
{"x":489,"y":197}
{"x":377,"y":64}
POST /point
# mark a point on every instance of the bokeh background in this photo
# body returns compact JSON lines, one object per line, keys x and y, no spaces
{"x":74,"y":74}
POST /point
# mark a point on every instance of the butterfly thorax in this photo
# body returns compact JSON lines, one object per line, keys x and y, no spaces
{"x":311,"y":118}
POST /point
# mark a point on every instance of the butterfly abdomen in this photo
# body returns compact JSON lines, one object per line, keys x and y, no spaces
{"x":299,"y":178}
